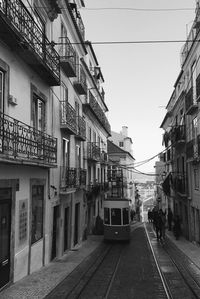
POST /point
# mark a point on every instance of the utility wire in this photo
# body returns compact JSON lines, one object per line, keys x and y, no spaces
{"x":131,"y":42}
{"x":123,"y":8}
{"x":141,"y":9}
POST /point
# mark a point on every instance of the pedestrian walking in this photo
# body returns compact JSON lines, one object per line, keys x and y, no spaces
{"x":149,"y":215}
{"x":154,"y":217}
{"x":163,"y":223}
{"x":169,"y":219}
{"x":177,"y":227}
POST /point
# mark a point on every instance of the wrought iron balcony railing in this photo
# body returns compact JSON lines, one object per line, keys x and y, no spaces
{"x":80,"y":83}
{"x":77,"y":19}
{"x":81,"y":132}
{"x":68,"y":117}
{"x":20,"y":31}
{"x":72,"y":177}
{"x":104,"y":157}
{"x":93,"y":151}
{"x":178,"y":135}
{"x":191,"y":104}
{"x":115,"y":175}
{"x":75,"y":125}
{"x":98,"y":112}
{"x":68,"y":177}
{"x":22,"y":142}
{"x":179,"y":183}
{"x":68,"y":58}
{"x":193,"y":149}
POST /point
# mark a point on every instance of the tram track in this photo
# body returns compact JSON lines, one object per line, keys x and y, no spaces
{"x":108,"y":265}
{"x":174,"y":267}
{"x":100,"y":271}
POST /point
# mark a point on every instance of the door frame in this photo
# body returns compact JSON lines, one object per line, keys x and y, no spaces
{"x":13,"y":184}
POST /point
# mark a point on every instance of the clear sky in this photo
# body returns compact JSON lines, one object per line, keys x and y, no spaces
{"x":139,"y":78}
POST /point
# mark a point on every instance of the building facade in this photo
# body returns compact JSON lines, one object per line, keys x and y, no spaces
{"x":53,"y":134}
{"x":121,"y":157}
{"x":183,"y":135}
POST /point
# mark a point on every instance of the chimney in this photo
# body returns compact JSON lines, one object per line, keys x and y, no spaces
{"x":125,"y":131}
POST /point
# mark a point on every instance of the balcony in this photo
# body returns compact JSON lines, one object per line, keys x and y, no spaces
{"x":93,"y":151}
{"x":179,"y":183}
{"x":22,"y":34}
{"x":104,"y":157}
{"x":68,"y":118}
{"x":95,"y":108}
{"x":68,"y":58}
{"x":81,"y":83}
{"x":191,"y":104}
{"x":82,"y":177}
{"x":178,"y":135}
{"x":81,"y":129}
{"x":23,"y":144}
{"x":193,"y":150}
{"x":115,"y":175}
{"x":72,"y":178}
{"x":77,"y":20}
{"x":188,"y":45}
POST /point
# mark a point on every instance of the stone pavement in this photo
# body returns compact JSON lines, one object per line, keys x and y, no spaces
{"x":188,"y":248}
{"x":40,"y":283}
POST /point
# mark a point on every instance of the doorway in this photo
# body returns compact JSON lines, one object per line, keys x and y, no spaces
{"x":5,"y":231}
{"x":66,"y":229}
{"x":54,"y":237}
{"x":76,"y":226}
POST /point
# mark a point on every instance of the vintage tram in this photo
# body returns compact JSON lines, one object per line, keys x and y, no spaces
{"x":117,"y":224}
{"x":117,"y":219}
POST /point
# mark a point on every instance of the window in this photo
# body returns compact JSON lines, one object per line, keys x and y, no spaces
{"x":125,"y":216}
{"x":37,"y":213}
{"x":39,"y":20}
{"x":64,"y":101}
{"x":64,"y":93}
{"x":90,"y":134}
{"x":38,"y":111}
{"x":63,"y":41}
{"x":78,"y":156}
{"x":121,"y":144}
{"x":1,"y":90}
{"x":65,"y":152}
{"x":106,"y":215}
{"x":196,"y":178}
{"x":115,"y":216}
{"x":194,"y":128}
{"x":194,"y":75}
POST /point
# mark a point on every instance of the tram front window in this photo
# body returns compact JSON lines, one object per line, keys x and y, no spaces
{"x":125,"y":216}
{"x":106,"y":216}
{"x":115,"y":216}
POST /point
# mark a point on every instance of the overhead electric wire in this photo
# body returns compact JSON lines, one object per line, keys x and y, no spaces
{"x":140,"y":9}
{"x":122,"y":8}
{"x":131,"y":42}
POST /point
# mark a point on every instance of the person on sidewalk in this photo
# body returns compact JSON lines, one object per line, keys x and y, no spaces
{"x":177,"y":227}
{"x":169,"y":219}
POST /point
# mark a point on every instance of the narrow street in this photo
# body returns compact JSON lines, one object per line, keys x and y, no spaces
{"x":142,"y":268}
{"x":131,"y":270}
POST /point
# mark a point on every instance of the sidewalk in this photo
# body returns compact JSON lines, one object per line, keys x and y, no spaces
{"x":40,"y":283}
{"x":188,"y":248}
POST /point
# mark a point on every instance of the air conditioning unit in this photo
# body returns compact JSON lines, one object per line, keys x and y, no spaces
{"x":12,"y":100}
